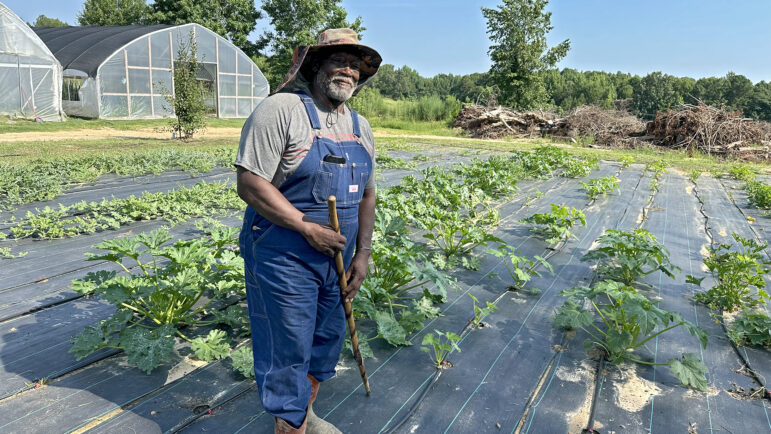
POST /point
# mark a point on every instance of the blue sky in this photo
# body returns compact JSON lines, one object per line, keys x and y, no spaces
{"x":695,"y":38}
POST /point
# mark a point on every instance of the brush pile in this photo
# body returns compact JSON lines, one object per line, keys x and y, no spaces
{"x":497,"y":122}
{"x":712,"y":131}
{"x":691,"y":127}
{"x":608,"y":127}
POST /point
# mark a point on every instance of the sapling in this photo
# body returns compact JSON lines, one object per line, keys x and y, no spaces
{"x":520,"y":268}
{"x":629,"y":321}
{"x":439,"y":347}
{"x":481,"y":312}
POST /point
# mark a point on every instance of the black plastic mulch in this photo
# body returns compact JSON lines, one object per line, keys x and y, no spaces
{"x":515,"y":375}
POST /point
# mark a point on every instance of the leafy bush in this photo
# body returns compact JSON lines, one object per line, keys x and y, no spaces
{"x":626,"y":161}
{"x":629,"y":321}
{"x":626,"y":256}
{"x":556,"y":225}
{"x":600,"y":186}
{"x":759,"y":194}
{"x":395,"y":293}
{"x":741,"y":172}
{"x":736,"y":273}
{"x":578,"y":168}
{"x":165,"y":294}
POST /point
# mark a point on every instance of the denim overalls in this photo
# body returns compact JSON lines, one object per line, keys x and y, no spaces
{"x":295,"y":309}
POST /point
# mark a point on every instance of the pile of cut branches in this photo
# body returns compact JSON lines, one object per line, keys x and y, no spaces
{"x":710,"y":130}
{"x":608,"y":127}
{"x":497,"y":122}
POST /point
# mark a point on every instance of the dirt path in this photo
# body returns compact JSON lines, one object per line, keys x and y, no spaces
{"x":107,"y":133}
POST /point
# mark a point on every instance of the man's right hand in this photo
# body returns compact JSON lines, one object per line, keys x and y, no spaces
{"x":323,"y":238}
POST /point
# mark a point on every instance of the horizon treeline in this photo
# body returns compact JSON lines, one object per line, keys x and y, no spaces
{"x":569,"y":88}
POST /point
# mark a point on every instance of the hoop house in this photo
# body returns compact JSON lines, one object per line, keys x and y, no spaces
{"x":120,"y":72}
{"x":30,"y":76}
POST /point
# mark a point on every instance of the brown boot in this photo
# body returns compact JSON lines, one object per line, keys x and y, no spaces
{"x":284,"y":427}
{"x":317,"y":425}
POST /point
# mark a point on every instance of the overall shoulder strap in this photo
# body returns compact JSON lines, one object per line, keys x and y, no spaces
{"x":310,"y":108}
{"x":355,"y":119}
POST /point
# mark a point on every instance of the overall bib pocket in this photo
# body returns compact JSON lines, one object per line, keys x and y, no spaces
{"x":323,"y":184}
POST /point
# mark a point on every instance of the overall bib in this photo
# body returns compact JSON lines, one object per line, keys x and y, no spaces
{"x":295,"y":309}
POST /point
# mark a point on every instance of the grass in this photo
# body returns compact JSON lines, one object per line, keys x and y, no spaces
{"x":391,"y":135}
{"x":24,"y":152}
{"x":8,"y":125}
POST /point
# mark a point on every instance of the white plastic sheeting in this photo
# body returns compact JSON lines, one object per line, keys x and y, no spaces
{"x":30,"y":76}
{"x":132,"y":81}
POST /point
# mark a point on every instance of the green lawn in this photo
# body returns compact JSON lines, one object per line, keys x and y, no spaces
{"x":24,"y":125}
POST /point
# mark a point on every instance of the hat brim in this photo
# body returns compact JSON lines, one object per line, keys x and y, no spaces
{"x":304,"y":56}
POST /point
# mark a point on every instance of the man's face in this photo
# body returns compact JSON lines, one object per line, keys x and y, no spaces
{"x":338,"y":76}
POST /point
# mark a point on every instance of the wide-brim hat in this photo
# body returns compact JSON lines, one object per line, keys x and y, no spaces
{"x":329,"y":41}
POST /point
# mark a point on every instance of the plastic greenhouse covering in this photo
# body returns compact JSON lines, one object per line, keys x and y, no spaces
{"x":30,"y":75}
{"x":133,"y":80}
{"x":124,"y":72}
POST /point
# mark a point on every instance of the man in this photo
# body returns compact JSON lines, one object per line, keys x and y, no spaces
{"x":301,"y":145}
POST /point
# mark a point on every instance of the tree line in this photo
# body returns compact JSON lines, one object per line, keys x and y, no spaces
{"x":568,"y":88}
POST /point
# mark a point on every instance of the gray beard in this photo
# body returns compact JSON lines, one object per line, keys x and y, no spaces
{"x":336,"y":92}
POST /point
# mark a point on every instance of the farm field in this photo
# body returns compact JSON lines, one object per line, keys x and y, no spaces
{"x":509,"y":370}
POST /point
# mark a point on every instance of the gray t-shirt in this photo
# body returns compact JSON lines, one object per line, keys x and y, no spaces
{"x":278,"y":134}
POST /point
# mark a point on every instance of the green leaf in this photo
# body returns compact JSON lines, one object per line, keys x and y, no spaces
{"x":100,"y":335}
{"x":234,"y":316}
{"x":213,"y":347}
{"x":571,"y":316}
{"x":618,"y":341}
{"x":390,"y":330}
{"x":690,"y":370}
{"x":364,"y":348}
{"x":146,"y":349}
{"x":243,"y":361}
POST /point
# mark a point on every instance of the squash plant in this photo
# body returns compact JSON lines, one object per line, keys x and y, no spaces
{"x":556,"y":225}
{"x":626,"y":256}
{"x":629,"y":321}
{"x":738,"y":274}
{"x":156,"y":297}
{"x":402,"y":285}
{"x":600,"y":186}
{"x":521,"y":268}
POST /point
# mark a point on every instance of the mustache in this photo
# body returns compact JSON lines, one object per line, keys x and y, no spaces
{"x":341,"y":77}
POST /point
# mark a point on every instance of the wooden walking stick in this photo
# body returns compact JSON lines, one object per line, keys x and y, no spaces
{"x":332,"y":203}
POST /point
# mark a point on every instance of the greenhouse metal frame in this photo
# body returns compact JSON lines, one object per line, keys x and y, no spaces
{"x":119,"y":72}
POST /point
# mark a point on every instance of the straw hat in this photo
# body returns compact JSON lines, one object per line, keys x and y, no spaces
{"x":330,"y":41}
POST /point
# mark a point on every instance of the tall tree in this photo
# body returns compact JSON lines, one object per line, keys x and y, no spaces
{"x":297,"y":22}
{"x":44,"y":21}
{"x":232,"y":19}
{"x":655,"y":92}
{"x":113,"y":12}
{"x":519,"y":52}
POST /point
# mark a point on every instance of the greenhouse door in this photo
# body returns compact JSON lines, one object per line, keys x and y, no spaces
{"x":207,"y":77}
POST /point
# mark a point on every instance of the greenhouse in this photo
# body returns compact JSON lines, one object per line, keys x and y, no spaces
{"x":116,"y":72}
{"x":29,"y":74}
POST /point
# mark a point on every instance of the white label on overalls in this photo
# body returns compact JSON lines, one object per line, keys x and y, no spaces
{"x":353,"y":188}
